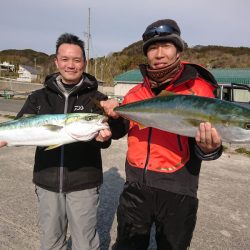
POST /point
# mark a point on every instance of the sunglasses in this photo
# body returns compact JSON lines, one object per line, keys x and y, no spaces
{"x":162,"y":30}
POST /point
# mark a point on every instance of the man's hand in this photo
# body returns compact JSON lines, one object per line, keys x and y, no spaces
{"x":207,"y":138}
{"x":103,"y":135}
{"x":109,"y":106}
{"x":2,"y":144}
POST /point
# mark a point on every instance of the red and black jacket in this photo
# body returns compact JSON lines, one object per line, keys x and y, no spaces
{"x":161,"y":159}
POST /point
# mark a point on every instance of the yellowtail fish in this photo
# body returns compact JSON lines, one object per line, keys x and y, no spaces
{"x":182,"y":114}
{"x":52,"y":130}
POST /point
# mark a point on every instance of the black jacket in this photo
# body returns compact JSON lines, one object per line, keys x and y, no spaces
{"x":75,"y":166}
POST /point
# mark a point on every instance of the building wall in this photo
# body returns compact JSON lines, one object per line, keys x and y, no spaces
{"x":107,"y":90}
{"x":241,"y":95}
{"x":25,"y":75}
{"x":6,"y":66}
{"x":122,"y":89}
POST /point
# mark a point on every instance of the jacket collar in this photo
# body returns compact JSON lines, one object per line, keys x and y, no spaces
{"x":190,"y":72}
{"x":89,"y":83}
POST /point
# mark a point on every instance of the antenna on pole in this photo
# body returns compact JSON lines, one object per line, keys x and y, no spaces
{"x":88,"y":37}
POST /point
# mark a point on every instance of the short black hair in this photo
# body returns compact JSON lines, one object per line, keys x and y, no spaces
{"x":70,"y":39}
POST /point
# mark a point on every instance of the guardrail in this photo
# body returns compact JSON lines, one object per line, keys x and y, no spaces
{"x":21,"y":87}
{"x":7,"y":94}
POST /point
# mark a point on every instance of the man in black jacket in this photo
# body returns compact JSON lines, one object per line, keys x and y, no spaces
{"x":68,"y":178}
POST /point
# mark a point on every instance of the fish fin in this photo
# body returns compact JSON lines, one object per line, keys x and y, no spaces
{"x":166,"y":93}
{"x":97,"y":103}
{"x":194,"y":122}
{"x":52,"y":127}
{"x":141,"y":126}
{"x":27,"y":115}
{"x":24,"y":116}
{"x":52,"y":147}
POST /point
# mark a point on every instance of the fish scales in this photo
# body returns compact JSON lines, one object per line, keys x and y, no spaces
{"x":52,"y":129}
{"x":182,"y":114}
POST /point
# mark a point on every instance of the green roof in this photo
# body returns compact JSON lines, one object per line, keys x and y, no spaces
{"x":232,"y":75}
{"x":221,"y":75}
{"x":131,"y":76}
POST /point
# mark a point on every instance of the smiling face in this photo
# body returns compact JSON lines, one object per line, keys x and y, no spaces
{"x":70,"y":63}
{"x":161,"y":54}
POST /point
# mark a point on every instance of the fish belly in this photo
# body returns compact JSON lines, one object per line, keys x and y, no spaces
{"x":35,"y":137}
{"x":170,"y":123}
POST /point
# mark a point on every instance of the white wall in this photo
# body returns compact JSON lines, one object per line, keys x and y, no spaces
{"x":107,"y":90}
{"x":121,"y":89}
{"x":25,"y":75}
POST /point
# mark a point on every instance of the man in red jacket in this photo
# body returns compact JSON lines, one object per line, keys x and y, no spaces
{"x":162,"y":168}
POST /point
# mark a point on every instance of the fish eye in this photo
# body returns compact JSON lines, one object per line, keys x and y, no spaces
{"x":88,"y":118}
{"x":247,"y":126}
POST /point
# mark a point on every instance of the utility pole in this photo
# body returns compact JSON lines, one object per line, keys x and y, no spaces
{"x":102,"y":66}
{"x":95,"y":68}
{"x":88,"y":37}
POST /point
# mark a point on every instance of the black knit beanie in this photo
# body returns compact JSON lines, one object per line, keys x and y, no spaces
{"x":162,"y":30}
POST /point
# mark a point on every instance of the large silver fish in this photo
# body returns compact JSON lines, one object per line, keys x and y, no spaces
{"x":52,"y":130}
{"x":182,"y":114}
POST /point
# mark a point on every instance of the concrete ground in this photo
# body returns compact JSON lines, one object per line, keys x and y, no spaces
{"x":223,"y":216}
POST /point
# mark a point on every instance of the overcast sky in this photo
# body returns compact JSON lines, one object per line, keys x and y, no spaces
{"x":115,"y":24}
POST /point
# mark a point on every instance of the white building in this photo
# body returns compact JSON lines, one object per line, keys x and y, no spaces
{"x":27,"y":73}
{"x":5,"y":66}
{"x":125,"y":81}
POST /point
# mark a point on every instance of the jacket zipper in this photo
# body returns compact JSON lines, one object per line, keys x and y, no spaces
{"x":62,"y":149}
{"x":148,"y":154}
{"x":61,"y":170}
{"x":66,"y":95}
{"x":179,"y":142}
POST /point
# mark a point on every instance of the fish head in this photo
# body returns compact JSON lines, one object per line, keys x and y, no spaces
{"x":240,"y":133}
{"x":85,"y":126}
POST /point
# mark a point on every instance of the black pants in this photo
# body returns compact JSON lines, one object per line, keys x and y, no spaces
{"x":174,"y":216}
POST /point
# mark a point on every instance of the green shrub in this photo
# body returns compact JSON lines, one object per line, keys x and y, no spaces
{"x":243,"y":151}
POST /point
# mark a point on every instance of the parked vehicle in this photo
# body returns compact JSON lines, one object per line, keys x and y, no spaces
{"x":235,"y":92}
{"x":119,"y":98}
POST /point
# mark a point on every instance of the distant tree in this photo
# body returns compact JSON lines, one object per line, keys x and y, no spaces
{"x":131,"y":56}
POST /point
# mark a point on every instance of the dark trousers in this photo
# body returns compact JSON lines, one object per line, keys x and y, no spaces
{"x":140,"y":206}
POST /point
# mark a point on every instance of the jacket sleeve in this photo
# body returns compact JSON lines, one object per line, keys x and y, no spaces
{"x":96,"y":108}
{"x":119,"y":127}
{"x":30,"y":106}
{"x":208,"y":157}
{"x":99,"y":144}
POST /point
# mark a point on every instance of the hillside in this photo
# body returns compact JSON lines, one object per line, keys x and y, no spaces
{"x":107,"y":68}
{"x":39,"y":60}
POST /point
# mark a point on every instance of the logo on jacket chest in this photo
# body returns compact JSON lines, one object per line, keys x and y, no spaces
{"x":78,"y":107}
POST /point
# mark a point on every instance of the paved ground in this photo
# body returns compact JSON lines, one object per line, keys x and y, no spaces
{"x":223,"y":217}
